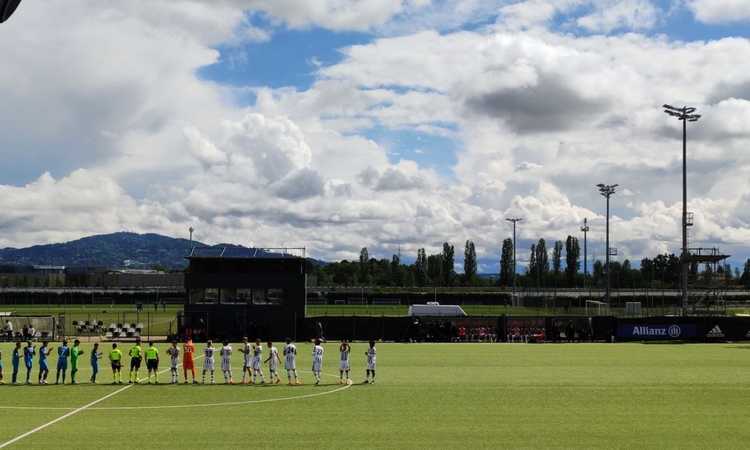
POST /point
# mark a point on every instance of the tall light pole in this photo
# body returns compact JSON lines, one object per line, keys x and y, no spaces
{"x":685,"y":114}
{"x":514,"y":220}
{"x":607,"y":190}
{"x":585,"y":228}
{"x":191,"y":238}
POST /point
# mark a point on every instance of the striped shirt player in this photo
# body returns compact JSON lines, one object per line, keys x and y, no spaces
{"x":273,"y":364}
{"x":256,"y":362}
{"x":370,"y":354}
{"x":317,"y":360}
{"x":290,"y":362}
{"x":247,"y":364}
{"x":174,"y":361}
{"x":344,"y":351}
{"x":208,"y":361}
{"x":226,"y":362}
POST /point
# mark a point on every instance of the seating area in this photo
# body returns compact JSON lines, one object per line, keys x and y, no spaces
{"x":123,"y":330}
{"x":87,"y":327}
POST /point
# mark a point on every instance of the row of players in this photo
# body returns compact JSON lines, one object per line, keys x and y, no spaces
{"x":251,"y":367}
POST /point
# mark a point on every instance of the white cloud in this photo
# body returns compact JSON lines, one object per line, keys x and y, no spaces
{"x":720,"y":11}
{"x":620,"y":14}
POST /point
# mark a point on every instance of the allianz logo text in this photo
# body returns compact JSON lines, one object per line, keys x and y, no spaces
{"x":645,"y":330}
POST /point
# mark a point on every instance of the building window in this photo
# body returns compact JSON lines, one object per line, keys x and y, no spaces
{"x":272,"y":296}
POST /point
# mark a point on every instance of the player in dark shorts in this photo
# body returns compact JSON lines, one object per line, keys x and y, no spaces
{"x":136,"y":356}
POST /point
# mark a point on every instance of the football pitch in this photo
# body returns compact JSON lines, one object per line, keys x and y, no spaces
{"x":426,"y":396}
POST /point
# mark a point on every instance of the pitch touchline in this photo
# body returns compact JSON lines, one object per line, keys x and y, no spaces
{"x":72,"y":413}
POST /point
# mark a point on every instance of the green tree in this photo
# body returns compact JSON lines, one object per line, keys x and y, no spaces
{"x":557,"y":261}
{"x":364,"y":266}
{"x":420,"y":269}
{"x":397,"y":276}
{"x":448,"y":261}
{"x":542,"y":262}
{"x":506,"y":263}
{"x":470,"y":263}
{"x":572,"y":260}
{"x":745,"y":277}
{"x":435,"y":269}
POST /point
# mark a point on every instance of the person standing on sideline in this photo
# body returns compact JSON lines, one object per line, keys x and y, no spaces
{"x":1,"y":367}
{"x":152,"y":362}
{"x":174,"y":361}
{"x":115,"y":358}
{"x":28,"y":359}
{"x":96,"y":355}
{"x":44,"y":352}
{"x":136,"y":357}
{"x":188,"y":350}
{"x":63,"y":352}
{"x":344,"y":350}
{"x":226,"y":362}
{"x":75,"y":353}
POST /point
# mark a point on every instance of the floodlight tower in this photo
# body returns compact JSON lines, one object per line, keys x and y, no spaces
{"x":685,"y":114}
{"x":607,"y":190}
{"x":191,"y":238}
{"x":514,"y":220}
{"x":585,"y":228}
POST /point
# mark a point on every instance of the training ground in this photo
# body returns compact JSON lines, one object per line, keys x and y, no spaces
{"x":426,"y":396}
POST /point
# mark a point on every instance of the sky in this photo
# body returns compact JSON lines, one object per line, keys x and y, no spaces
{"x":389,"y":124}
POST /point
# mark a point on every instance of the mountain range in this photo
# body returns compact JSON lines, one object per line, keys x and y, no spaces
{"x":113,"y":251}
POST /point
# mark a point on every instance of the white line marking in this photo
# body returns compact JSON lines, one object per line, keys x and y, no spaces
{"x":191,"y":405}
{"x":74,"y":412}
{"x":63,"y":417}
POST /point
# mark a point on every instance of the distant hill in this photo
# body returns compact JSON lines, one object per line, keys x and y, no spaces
{"x":116,"y":250}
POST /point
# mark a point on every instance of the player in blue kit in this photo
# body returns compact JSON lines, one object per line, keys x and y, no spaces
{"x":28,"y":359}
{"x":63,"y":353}
{"x":96,"y":355}
{"x":44,"y":351}
{"x":15,"y":361}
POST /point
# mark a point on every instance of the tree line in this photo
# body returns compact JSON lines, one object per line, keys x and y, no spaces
{"x":559,"y":268}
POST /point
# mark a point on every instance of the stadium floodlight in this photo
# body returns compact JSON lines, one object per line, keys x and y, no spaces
{"x":514,"y":220}
{"x":685,"y":114}
{"x":607,"y":190}
{"x":7,"y":7}
{"x":585,"y":228}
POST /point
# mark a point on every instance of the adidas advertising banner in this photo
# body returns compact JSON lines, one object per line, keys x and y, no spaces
{"x":650,"y":331}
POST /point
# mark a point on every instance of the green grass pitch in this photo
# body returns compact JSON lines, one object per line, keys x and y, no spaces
{"x":426,"y":396}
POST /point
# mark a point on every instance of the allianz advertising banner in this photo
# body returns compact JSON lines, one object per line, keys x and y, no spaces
{"x":645,"y":331}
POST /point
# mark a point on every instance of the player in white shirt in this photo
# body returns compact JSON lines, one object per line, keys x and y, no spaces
{"x":247,"y":365}
{"x":370,"y":353}
{"x":256,"y":362}
{"x":290,"y":362}
{"x":226,"y":362}
{"x":273,"y":364}
{"x":317,"y":363}
{"x":208,"y":361}
{"x":344,"y":350}
{"x":174,"y":360}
